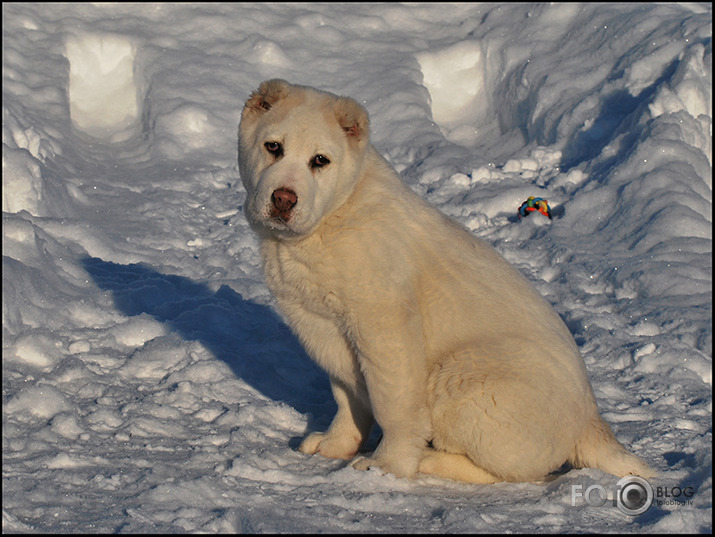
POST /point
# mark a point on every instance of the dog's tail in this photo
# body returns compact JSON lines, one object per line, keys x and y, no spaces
{"x":598,"y":448}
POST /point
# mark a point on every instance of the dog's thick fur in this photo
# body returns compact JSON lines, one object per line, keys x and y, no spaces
{"x":420,"y":325}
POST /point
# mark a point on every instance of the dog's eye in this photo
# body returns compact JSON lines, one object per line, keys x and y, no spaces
{"x":319,"y":161}
{"x":274,"y":148}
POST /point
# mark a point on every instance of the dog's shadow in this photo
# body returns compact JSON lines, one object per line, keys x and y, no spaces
{"x":260,"y":349}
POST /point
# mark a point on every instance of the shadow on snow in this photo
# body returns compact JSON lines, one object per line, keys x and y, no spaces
{"x":260,"y":349}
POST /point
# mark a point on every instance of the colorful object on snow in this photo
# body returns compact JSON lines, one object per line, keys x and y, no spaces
{"x":534,"y":204}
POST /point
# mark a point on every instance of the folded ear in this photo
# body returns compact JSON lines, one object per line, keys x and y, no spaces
{"x":267,"y":94}
{"x":353,"y":118}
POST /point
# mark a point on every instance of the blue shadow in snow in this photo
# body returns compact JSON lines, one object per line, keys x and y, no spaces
{"x":619,"y":115}
{"x":249,"y":337}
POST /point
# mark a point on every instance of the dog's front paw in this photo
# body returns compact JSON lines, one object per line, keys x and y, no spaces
{"x":363,"y":463}
{"x":400,"y":468}
{"x":331,"y":446}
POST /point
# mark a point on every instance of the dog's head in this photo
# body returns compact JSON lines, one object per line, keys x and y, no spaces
{"x":301,"y":152}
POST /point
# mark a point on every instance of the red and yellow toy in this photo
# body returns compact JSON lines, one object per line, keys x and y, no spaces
{"x":534,"y":204}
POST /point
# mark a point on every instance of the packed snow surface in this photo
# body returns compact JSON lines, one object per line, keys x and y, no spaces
{"x":149,"y":384}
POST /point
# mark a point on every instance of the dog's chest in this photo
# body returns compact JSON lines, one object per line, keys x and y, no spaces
{"x":302,"y":275}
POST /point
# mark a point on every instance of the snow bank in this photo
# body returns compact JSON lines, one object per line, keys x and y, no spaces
{"x":104,"y":96}
{"x":455,"y":78}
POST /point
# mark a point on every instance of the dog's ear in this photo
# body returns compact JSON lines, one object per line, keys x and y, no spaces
{"x":267,"y":94}
{"x":353,"y":118}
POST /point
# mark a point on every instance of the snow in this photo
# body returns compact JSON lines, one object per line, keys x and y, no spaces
{"x":103,"y":95}
{"x":149,"y":384}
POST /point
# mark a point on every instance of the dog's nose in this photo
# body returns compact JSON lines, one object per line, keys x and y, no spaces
{"x":284,"y":200}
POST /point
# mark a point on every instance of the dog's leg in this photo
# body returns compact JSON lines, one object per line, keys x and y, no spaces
{"x":403,"y":439}
{"x":453,"y":466}
{"x":393,"y":364}
{"x":349,"y":428}
{"x":329,"y":349}
{"x":511,"y":418}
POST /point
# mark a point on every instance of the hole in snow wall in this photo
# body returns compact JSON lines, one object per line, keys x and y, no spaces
{"x":105,"y":96}
{"x":456,"y":80}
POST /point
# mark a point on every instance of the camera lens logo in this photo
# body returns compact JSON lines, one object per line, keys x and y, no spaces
{"x":634,"y":496}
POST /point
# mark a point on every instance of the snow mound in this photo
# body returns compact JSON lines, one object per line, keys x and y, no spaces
{"x":104,"y":92}
{"x":455,"y":78}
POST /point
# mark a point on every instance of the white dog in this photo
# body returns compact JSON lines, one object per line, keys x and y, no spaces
{"x":421,"y":326}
